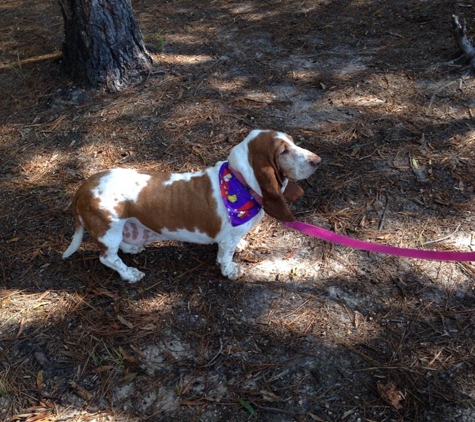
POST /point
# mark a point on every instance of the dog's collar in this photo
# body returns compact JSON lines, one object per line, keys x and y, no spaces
{"x":241,"y":202}
{"x":243,"y":182}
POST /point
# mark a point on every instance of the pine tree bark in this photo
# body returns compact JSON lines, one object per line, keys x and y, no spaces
{"x":103,"y":47}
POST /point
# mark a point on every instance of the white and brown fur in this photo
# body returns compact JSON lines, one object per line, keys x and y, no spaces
{"x":127,"y":209}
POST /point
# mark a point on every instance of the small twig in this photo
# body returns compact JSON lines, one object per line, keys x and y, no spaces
{"x":383,"y":216}
{"x":453,"y":62}
{"x":432,"y":98}
{"x":215,"y":356}
{"x":442,"y":238}
{"x":222,"y":59}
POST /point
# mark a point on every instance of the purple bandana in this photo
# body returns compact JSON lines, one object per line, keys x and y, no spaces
{"x":240,"y":204}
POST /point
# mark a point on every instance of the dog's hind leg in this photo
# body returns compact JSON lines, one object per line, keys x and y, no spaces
{"x":131,"y":249}
{"x":109,"y":246}
{"x":130,"y":274}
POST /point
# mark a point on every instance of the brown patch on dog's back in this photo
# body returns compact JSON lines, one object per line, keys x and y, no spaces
{"x":182,"y":204}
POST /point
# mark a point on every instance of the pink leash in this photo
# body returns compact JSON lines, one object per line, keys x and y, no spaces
{"x":329,"y":236}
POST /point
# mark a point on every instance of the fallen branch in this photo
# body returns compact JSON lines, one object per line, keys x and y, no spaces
{"x":442,"y":238}
{"x":460,"y":32}
{"x":432,"y":98}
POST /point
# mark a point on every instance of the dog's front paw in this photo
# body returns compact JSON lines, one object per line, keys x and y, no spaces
{"x":132,"y":275}
{"x":232,"y":271}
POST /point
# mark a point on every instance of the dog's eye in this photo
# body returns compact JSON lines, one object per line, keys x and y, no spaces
{"x":285,"y":151}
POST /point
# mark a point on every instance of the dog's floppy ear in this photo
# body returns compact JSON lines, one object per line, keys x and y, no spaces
{"x":292,"y":191}
{"x":262,"y":157}
{"x":273,"y":200}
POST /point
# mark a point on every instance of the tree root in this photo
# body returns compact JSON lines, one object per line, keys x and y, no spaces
{"x":464,"y":43}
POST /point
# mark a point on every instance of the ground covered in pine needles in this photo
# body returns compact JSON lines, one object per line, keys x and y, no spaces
{"x":313,"y":331}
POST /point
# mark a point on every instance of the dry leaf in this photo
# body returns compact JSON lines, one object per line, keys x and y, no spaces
{"x":269,"y":396}
{"x":128,"y":358}
{"x":148,"y":327}
{"x":39,"y":380}
{"x":192,"y":403}
{"x":125,"y":322}
{"x":290,"y":254}
{"x":22,"y":326}
{"x":40,"y":417}
{"x":5,"y":300}
{"x":81,"y":392}
{"x":103,"y":292}
{"x":101,"y":369}
{"x":35,"y":254}
{"x":129,"y":378}
{"x":390,"y":394}
{"x":138,"y":351}
{"x":249,"y":258}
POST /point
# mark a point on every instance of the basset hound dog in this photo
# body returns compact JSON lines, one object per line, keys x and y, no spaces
{"x":126,"y":209}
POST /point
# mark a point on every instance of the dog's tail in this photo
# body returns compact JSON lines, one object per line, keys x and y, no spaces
{"x":76,"y":242}
{"x":78,"y":233}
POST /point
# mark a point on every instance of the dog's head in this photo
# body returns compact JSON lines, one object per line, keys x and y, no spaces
{"x":270,"y":162}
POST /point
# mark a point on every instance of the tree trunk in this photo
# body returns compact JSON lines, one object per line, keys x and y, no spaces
{"x":103,"y":47}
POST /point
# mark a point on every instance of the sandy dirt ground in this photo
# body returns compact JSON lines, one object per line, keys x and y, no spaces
{"x":312,"y":331}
